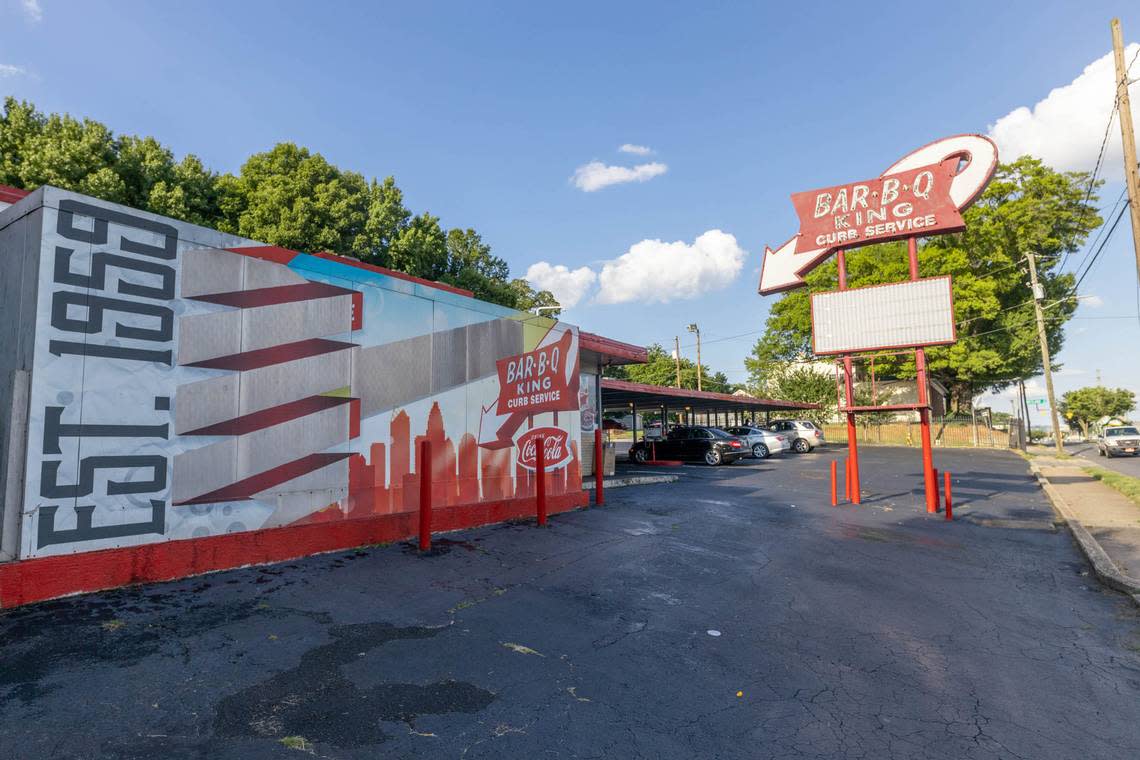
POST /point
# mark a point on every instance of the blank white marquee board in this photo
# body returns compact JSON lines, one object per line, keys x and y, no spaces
{"x":899,"y":315}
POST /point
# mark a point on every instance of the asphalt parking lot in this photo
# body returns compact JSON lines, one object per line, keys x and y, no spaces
{"x":733,"y":614}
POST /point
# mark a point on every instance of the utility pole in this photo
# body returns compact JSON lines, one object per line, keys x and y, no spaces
{"x":1038,"y":296}
{"x":1128,"y":136}
{"x":677,"y":357}
{"x":694,"y":329}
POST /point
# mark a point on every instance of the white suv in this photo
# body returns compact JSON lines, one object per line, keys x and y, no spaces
{"x":803,"y":434}
{"x":1118,"y":441}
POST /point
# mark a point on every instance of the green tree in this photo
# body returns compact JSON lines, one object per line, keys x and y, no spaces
{"x":524,"y":297}
{"x":287,"y":196}
{"x":803,"y":383}
{"x":291,"y":197}
{"x":86,"y":157}
{"x":1028,"y":207}
{"x":661,"y":369}
{"x":1085,"y":406}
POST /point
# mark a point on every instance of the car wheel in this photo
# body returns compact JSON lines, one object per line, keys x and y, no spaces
{"x":639,"y":455}
{"x":1108,"y":453}
{"x":713,"y":457}
{"x":801,"y":446}
{"x":760,"y":451}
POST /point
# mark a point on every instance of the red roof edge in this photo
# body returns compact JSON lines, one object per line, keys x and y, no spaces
{"x":10,"y":194}
{"x":394,"y":273}
{"x":665,"y":390}
{"x":625,"y":353}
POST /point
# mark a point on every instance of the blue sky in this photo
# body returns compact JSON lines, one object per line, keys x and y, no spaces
{"x":484,"y":112}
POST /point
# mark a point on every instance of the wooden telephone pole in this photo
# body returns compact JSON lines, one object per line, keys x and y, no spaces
{"x":1128,"y":135}
{"x":1038,"y":296}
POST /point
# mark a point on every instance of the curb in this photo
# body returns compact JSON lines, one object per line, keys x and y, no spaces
{"x":1103,"y":566}
{"x":634,"y":480}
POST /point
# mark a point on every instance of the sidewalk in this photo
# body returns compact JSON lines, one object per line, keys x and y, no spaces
{"x":1105,"y":522}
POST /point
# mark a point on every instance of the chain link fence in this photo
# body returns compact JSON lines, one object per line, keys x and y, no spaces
{"x":944,"y":431}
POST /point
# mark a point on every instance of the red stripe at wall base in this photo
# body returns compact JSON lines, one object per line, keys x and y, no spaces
{"x":36,"y":580}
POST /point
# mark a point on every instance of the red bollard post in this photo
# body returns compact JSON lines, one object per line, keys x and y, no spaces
{"x":834,"y":487}
{"x":949,"y":498}
{"x":847,"y":479}
{"x":936,"y":499}
{"x":540,"y":483}
{"x":425,"y":496}
{"x":599,"y":468}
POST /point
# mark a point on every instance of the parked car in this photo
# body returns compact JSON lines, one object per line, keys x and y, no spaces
{"x":1118,"y":440}
{"x":762,"y":443}
{"x":803,"y":434}
{"x":710,"y":445}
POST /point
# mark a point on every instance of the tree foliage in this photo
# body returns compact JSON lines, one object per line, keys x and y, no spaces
{"x":661,"y":369}
{"x":287,"y":196}
{"x":1028,"y":207}
{"x":1085,"y":406}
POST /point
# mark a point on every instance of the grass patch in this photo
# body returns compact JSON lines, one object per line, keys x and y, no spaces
{"x":298,"y":743}
{"x":1126,"y":484}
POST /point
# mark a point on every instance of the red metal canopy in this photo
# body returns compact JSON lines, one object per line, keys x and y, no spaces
{"x":620,"y":393}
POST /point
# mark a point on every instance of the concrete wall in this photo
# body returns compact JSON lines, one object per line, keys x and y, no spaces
{"x":19,"y":271}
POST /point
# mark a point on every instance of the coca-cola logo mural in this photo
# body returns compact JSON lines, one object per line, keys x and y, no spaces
{"x":555,"y":447}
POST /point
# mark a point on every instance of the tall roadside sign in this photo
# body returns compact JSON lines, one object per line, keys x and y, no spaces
{"x":920,"y":195}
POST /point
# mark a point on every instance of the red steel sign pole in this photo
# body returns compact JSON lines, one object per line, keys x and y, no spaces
{"x":920,"y":195}
{"x":849,"y":401}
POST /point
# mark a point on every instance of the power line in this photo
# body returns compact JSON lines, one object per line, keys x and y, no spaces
{"x":1100,"y":231}
{"x":1099,"y":158}
{"x":1099,"y":250}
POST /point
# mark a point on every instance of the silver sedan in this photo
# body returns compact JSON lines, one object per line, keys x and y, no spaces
{"x":763,"y":443}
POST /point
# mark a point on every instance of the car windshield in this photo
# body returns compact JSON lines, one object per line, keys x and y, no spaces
{"x":1121,"y":431}
{"x":806,"y":424}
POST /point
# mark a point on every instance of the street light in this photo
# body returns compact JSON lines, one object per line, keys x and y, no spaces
{"x":537,"y":310}
{"x":694,"y":329}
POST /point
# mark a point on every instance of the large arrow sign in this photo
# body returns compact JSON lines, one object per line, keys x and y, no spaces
{"x":921,"y":194}
{"x":542,"y":380}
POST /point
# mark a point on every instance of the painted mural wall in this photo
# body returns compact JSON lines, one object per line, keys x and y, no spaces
{"x":187,"y":383}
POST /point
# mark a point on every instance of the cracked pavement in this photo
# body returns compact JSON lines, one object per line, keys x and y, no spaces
{"x":868,"y":632}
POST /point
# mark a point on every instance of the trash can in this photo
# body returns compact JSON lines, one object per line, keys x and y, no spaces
{"x":609,"y":457}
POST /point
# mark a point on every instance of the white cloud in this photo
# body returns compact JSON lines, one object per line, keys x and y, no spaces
{"x":8,"y":70}
{"x":1093,"y":301}
{"x":32,"y":10}
{"x":1066,"y":128}
{"x":655,"y":271}
{"x":568,"y":287}
{"x":637,"y":150}
{"x":596,"y":175}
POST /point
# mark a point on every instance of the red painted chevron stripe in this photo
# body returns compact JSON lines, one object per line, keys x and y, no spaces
{"x":248,"y":423}
{"x":264,"y":357}
{"x":272,"y":253}
{"x":263,"y":481}
{"x":250,"y":299}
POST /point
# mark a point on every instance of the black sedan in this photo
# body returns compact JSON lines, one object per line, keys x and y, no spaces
{"x":710,"y":445}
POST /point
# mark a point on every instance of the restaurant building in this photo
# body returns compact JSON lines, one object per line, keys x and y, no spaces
{"x":176,"y":400}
